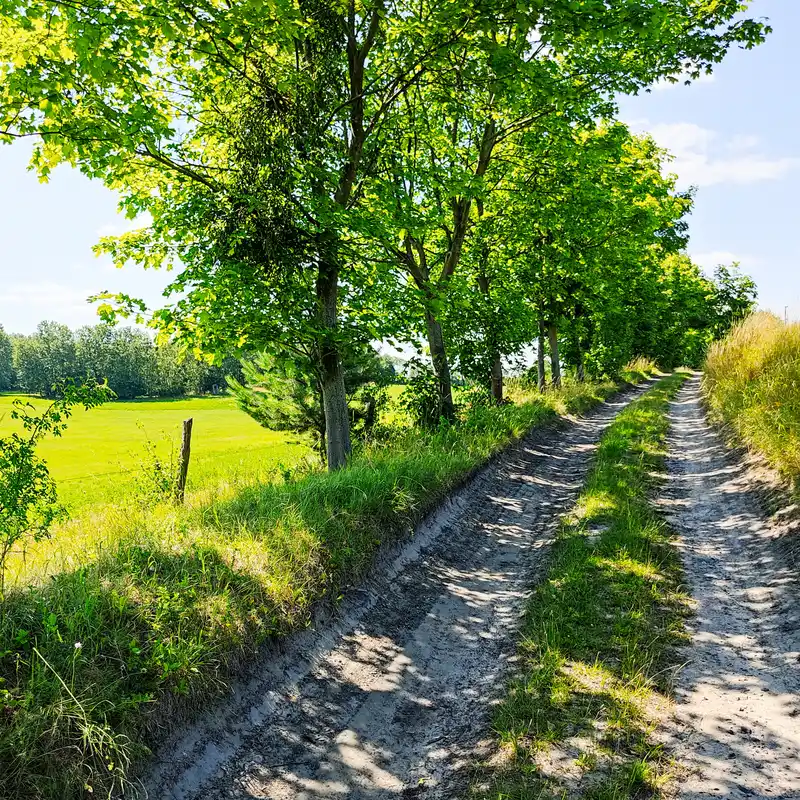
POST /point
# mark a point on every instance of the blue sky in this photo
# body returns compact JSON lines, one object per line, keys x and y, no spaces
{"x":734,"y":136}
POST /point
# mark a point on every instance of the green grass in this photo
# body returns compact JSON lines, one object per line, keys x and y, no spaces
{"x":97,"y":458}
{"x":752,"y":385}
{"x":599,"y":638}
{"x":98,"y":659}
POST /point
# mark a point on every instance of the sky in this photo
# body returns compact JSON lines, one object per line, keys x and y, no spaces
{"x":733,"y":136}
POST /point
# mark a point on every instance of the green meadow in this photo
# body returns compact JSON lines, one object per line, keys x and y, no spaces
{"x":98,"y":458}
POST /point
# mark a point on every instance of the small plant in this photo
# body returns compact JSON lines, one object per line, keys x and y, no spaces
{"x":28,"y":498}
{"x":154,"y":481}
{"x":421,"y":399}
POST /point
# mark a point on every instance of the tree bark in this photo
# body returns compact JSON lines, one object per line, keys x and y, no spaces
{"x":496,"y":372}
{"x":540,"y":358}
{"x":581,"y":371}
{"x":441,"y":366}
{"x":497,"y":379}
{"x":334,"y":397}
{"x":555,"y":366}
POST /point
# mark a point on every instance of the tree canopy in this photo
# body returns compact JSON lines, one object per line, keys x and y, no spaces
{"x":321,"y":174}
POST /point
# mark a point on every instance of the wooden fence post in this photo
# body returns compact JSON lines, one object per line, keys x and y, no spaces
{"x":183,"y":463}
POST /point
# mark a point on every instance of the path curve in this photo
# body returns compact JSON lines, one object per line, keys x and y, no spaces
{"x":738,"y":698}
{"x":393,"y":699}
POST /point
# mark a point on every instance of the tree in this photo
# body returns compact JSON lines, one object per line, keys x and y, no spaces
{"x":286,"y":394}
{"x":249,"y":135}
{"x":122,"y":357}
{"x":537,"y":76}
{"x":735,"y":296}
{"x":45,"y":359}
{"x":6,"y":362}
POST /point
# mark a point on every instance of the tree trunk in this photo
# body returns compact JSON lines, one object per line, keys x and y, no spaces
{"x":334,"y":398}
{"x":581,"y":370}
{"x":496,"y":374}
{"x":540,"y":358}
{"x":555,"y":366}
{"x":441,"y":366}
{"x":497,"y":379}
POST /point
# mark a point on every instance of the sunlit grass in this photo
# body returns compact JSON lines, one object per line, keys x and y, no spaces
{"x":752,"y":383}
{"x":598,"y":642}
{"x":96,"y":460}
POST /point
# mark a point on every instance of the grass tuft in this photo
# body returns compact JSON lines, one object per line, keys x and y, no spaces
{"x":599,"y":637}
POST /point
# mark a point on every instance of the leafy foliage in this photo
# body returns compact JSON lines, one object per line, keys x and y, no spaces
{"x":286,"y":394}
{"x":6,"y":362}
{"x":305,"y":166}
{"x":126,"y":359}
{"x":422,"y":399}
{"x":28,"y":499}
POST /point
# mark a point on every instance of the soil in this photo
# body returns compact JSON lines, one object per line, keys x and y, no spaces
{"x":738,"y":697}
{"x":393,"y":697}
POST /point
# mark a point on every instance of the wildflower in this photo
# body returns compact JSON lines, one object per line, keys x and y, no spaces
{"x":78,"y":645}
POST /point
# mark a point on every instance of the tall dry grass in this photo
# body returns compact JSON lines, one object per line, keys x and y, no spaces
{"x":752,"y":384}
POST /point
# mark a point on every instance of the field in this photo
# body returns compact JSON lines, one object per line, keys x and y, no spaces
{"x":98,"y":458}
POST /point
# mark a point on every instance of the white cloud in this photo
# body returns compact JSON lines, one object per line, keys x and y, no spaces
{"x":702,"y":157}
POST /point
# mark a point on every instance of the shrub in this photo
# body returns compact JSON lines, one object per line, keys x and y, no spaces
{"x":28,"y":500}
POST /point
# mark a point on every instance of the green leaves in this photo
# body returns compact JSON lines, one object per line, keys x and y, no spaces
{"x":28,"y":500}
{"x":265,"y":139}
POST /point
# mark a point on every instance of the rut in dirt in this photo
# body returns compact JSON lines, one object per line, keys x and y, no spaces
{"x":393,"y":699}
{"x":738,"y":698}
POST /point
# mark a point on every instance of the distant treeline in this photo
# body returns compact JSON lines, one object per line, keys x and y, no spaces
{"x":127,"y":358}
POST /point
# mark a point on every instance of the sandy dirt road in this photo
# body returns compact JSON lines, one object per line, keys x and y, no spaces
{"x":738,"y":697}
{"x":393,"y":698}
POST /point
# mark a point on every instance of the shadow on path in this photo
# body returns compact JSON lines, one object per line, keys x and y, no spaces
{"x":394,"y":699}
{"x":739,"y":694}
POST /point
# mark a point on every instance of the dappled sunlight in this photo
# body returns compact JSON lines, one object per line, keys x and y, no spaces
{"x":738,"y":695}
{"x":148,"y":605}
{"x":395,"y":699}
{"x":598,"y":651}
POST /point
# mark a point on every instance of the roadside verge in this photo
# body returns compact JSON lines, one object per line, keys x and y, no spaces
{"x":99,"y":663}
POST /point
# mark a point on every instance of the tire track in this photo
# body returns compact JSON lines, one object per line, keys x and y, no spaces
{"x":393,"y":698}
{"x":739,"y":695}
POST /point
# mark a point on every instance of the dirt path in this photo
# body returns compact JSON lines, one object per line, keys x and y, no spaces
{"x":394,"y":698}
{"x":739,"y":695}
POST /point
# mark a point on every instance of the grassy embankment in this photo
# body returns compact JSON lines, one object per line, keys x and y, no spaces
{"x":91,"y":657}
{"x":752,"y":385}
{"x":600,"y":634}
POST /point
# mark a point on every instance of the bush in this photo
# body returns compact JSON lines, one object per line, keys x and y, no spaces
{"x":752,"y":384}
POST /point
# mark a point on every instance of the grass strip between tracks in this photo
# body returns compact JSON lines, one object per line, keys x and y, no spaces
{"x":598,"y":650}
